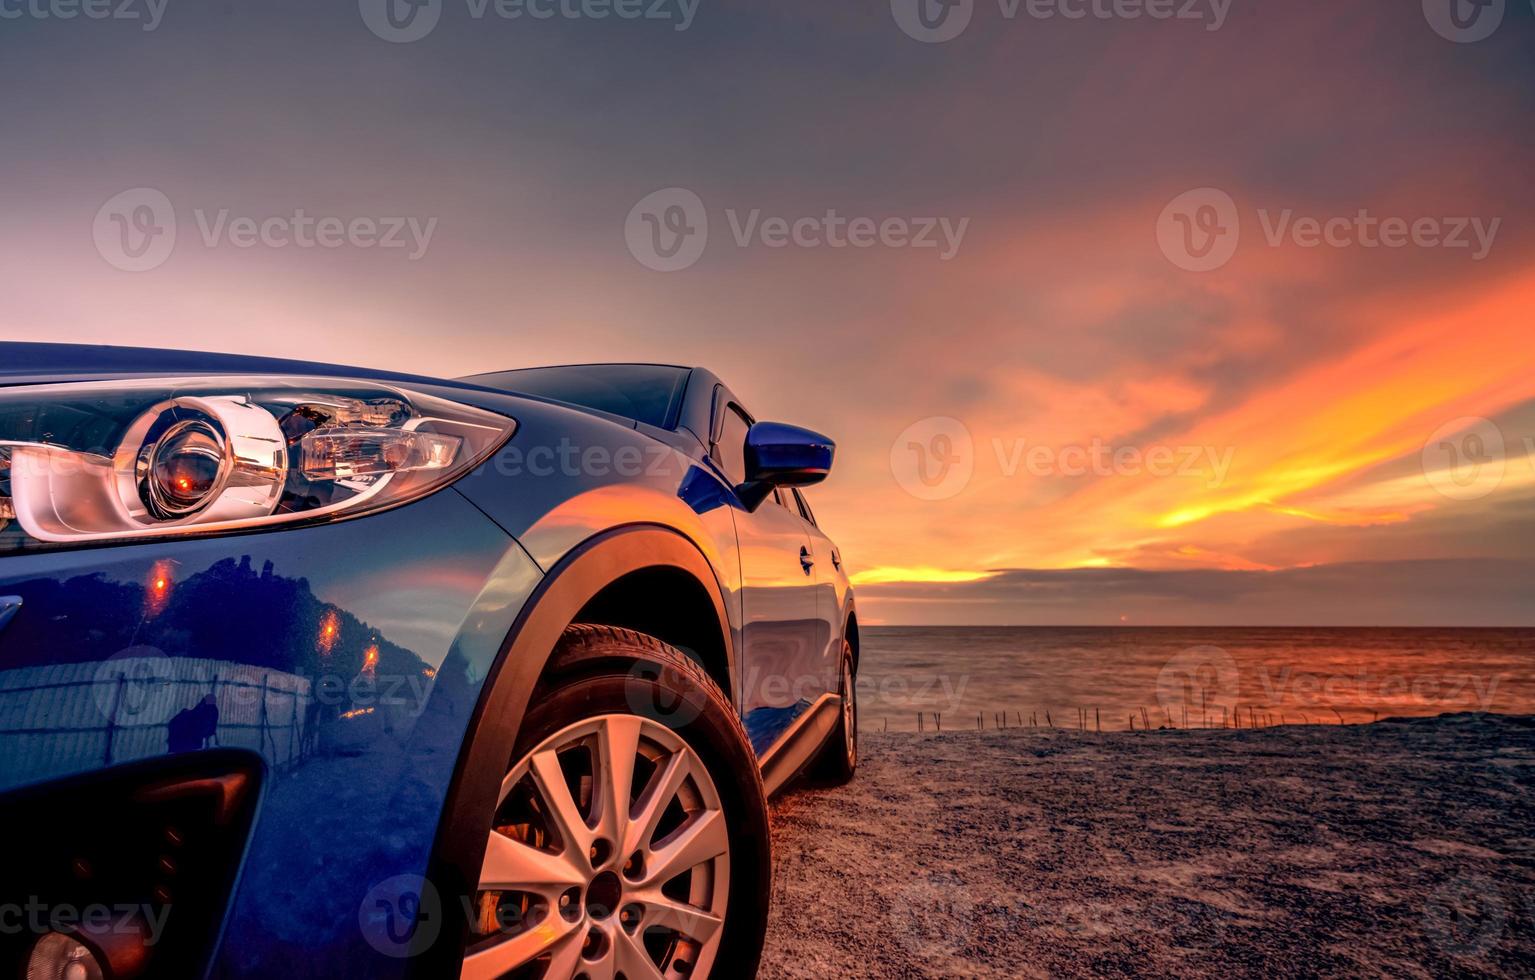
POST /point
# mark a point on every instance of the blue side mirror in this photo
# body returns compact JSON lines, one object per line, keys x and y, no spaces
{"x":779,"y":455}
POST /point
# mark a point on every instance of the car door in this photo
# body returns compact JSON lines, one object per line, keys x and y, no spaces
{"x":780,"y":660}
{"x":831,"y":588}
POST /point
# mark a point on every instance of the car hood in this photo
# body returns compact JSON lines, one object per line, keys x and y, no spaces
{"x":45,"y":363}
{"x":28,"y":364}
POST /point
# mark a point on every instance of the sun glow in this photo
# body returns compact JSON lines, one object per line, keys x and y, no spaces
{"x":880,"y":576}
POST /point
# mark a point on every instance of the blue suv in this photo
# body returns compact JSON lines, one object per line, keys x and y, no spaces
{"x":309,"y":670}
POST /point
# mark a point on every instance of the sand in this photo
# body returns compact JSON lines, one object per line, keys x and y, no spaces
{"x":1403,"y":848}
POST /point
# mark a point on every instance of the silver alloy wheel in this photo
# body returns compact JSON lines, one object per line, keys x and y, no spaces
{"x":595,"y":876}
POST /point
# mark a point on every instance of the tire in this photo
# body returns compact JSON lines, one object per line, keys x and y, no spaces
{"x":838,"y":761}
{"x":609,"y":691}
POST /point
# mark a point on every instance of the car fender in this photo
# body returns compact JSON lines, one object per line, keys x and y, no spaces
{"x":503,"y":700}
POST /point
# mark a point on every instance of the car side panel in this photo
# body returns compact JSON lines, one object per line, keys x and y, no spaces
{"x":781,"y":671}
{"x":348,"y":655}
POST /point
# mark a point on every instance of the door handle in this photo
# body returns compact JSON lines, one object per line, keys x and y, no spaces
{"x":805,"y":561}
{"x":8,"y":606}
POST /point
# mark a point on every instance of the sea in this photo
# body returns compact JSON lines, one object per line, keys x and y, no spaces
{"x":1116,"y":679}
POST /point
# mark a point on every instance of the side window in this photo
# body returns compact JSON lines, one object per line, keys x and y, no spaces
{"x":804,"y":507}
{"x":730,"y":450}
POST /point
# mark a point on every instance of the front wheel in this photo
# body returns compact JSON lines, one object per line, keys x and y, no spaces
{"x":631,"y":834}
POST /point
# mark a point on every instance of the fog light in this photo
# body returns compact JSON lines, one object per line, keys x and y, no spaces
{"x":58,"y":957}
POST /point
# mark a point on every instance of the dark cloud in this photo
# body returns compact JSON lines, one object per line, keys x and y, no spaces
{"x":1450,"y":592}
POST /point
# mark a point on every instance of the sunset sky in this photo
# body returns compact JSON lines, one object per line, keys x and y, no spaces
{"x":1304,"y":405}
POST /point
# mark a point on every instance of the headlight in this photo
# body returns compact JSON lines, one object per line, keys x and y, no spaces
{"x":110,"y":460}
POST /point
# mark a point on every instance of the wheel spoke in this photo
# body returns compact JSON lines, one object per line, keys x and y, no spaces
{"x":518,"y":950}
{"x":703,"y":837}
{"x":565,"y":960}
{"x":663,"y":786}
{"x":631,"y":957}
{"x":562,"y":809}
{"x":665,"y":913}
{"x":618,"y":743}
{"x":511,"y":865}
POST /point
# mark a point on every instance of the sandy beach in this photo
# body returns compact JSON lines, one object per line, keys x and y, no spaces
{"x":1402,"y":848}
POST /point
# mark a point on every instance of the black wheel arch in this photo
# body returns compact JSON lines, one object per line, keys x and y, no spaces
{"x":573,"y":588}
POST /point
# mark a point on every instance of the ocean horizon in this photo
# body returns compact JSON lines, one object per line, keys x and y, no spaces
{"x":1114,"y":678}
